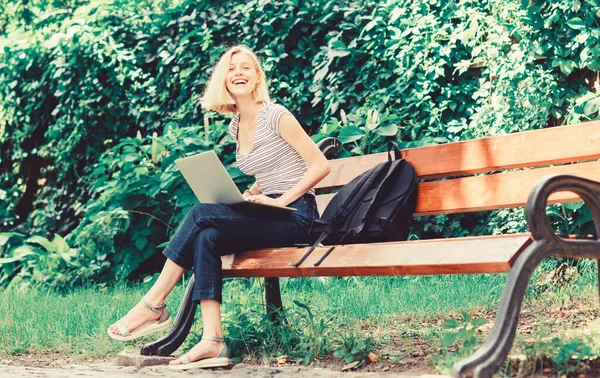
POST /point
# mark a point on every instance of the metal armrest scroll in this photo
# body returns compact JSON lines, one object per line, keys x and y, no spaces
{"x":535,"y":211}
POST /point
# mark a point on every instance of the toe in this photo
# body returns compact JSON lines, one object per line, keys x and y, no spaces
{"x":114,"y":329}
{"x":175,"y":362}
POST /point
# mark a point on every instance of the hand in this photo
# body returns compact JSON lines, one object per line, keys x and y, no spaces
{"x":261,"y":198}
{"x":246,"y":194}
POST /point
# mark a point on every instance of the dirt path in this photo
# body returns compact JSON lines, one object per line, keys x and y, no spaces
{"x":107,"y":369}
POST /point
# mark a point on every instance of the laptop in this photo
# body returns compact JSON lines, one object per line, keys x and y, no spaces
{"x":211,"y":183}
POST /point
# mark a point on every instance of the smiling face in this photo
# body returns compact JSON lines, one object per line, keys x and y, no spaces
{"x":242,"y":76}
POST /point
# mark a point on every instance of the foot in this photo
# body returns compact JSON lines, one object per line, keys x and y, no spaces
{"x":137,"y":317}
{"x":204,"y":349}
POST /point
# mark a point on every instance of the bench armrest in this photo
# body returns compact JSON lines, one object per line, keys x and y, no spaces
{"x":535,"y":210}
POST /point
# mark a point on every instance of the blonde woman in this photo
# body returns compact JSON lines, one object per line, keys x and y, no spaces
{"x":272,"y":147}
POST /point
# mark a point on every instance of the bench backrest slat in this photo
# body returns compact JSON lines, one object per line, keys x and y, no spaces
{"x":478,"y":193}
{"x":450,"y":185}
{"x":526,"y":149}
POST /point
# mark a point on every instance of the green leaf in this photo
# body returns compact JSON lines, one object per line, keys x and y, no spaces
{"x":6,"y":236}
{"x":389,"y":130}
{"x":140,"y":243}
{"x":320,"y":75}
{"x":339,"y":353}
{"x":25,"y":250}
{"x":576,"y":23}
{"x":449,"y":338}
{"x":350,"y":134}
{"x":573,"y":205}
{"x":466,"y":318}
{"x":10,"y":260}
{"x":591,"y":106}
{"x":479,"y":322}
{"x":338,"y":53}
{"x":451,"y":323}
{"x":554,"y":212}
{"x":349,"y":358}
{"x":45,"y":243}
{"x":60,"y":243}
{"x":567,"y":66}
{"x":370,"y":25}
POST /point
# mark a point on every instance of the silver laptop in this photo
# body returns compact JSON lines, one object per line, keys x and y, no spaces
{"x":211,"y":183}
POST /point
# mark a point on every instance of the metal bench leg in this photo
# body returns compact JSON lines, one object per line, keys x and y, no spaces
{"x":169,"y":343}
{"x":273,"y":300}
{"x":486,"y":360}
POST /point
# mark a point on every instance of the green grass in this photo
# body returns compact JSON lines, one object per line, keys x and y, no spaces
{"x":362,"y":297}
{"x":325,"y":315}
{"x":38,"y":322}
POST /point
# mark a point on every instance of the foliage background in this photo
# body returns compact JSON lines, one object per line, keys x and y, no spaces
{"x":99,"y":98}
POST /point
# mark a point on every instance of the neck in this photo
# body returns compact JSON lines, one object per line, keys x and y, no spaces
{"x":247,"y":107}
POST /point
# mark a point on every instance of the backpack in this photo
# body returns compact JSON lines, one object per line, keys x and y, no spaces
{"x":376,"y":206}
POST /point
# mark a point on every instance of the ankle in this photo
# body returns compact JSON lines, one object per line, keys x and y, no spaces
{"x":156,"y":309}
{"x":154,"y":301}
{"x":213,"y":339}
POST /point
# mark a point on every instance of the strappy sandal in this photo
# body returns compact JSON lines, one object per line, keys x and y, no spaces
{"x":164,"y":322}
{"x":222,"y":358}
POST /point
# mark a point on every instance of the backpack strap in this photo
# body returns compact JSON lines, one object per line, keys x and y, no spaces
{"x":355,"y":195}
{"x":375,"y":198}
{"x":331,"y":249}
{"x":397,"y":154}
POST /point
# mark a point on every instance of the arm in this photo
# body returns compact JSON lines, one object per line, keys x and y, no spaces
{"x":254,"y":190}
{"x":318,"y":166}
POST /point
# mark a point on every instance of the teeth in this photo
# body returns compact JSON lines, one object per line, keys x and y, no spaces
{"x":239,"y":82}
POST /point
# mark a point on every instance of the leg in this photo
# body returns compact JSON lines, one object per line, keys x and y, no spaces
{"x":180,"y":255}
{"x":490,"y":356}
{"x":140,"y":314}
{"x":207,"y":232}
{"x":273,"y":299}
{"x":211,"y":319}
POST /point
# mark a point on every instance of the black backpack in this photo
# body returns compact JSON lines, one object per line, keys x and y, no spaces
{"x":376,"y":206}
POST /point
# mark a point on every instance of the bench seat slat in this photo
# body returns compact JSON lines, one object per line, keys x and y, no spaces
{"x":485,"y":254}
{"x":489,"y":192}
{"x":519,"y":150}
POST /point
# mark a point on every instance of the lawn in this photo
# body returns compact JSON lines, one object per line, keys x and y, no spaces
{"x":401,"y":323}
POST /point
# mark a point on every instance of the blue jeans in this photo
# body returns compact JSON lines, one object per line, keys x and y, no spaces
{"x":211,"y":230}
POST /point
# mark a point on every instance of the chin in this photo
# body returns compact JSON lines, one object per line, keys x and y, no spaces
{"x":240,"y":93}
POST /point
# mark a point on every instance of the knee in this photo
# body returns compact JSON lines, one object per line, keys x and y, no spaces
{"x":207,"y":240}
{"x":197,"y":210}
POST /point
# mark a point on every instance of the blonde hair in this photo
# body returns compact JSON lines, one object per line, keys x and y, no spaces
{"x":216,"y":96}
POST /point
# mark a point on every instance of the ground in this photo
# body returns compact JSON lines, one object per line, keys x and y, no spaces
{"x":411,"y":357}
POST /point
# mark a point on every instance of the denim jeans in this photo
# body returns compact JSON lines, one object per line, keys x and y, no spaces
{"x":212,"y":230}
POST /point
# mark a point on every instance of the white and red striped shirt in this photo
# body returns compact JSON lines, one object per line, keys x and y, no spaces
{"x":274,"y":163}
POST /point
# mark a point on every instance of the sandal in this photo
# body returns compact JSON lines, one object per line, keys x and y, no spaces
{"x":222,"y":358}
{"x":164,"y":322}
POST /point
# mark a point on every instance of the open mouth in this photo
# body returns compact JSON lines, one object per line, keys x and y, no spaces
{"x":240,"y":82}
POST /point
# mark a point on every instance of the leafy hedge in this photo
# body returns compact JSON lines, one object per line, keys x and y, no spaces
{"x":98,"y":99}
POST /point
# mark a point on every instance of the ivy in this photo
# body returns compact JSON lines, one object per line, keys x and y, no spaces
{"x":97,"y":99}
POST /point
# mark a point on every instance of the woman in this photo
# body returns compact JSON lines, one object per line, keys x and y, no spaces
{"x":272,"y":147}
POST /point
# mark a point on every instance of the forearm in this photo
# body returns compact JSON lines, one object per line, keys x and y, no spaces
{"x":253,"y":191}
{"x":313,"y":175}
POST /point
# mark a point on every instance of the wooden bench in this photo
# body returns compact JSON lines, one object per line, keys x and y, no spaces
{"x":474,"y":175}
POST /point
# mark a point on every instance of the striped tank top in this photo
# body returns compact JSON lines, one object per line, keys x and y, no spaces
{"x":274,"y":163}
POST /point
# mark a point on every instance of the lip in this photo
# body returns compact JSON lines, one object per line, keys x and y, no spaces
{"x":237,"y":79}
